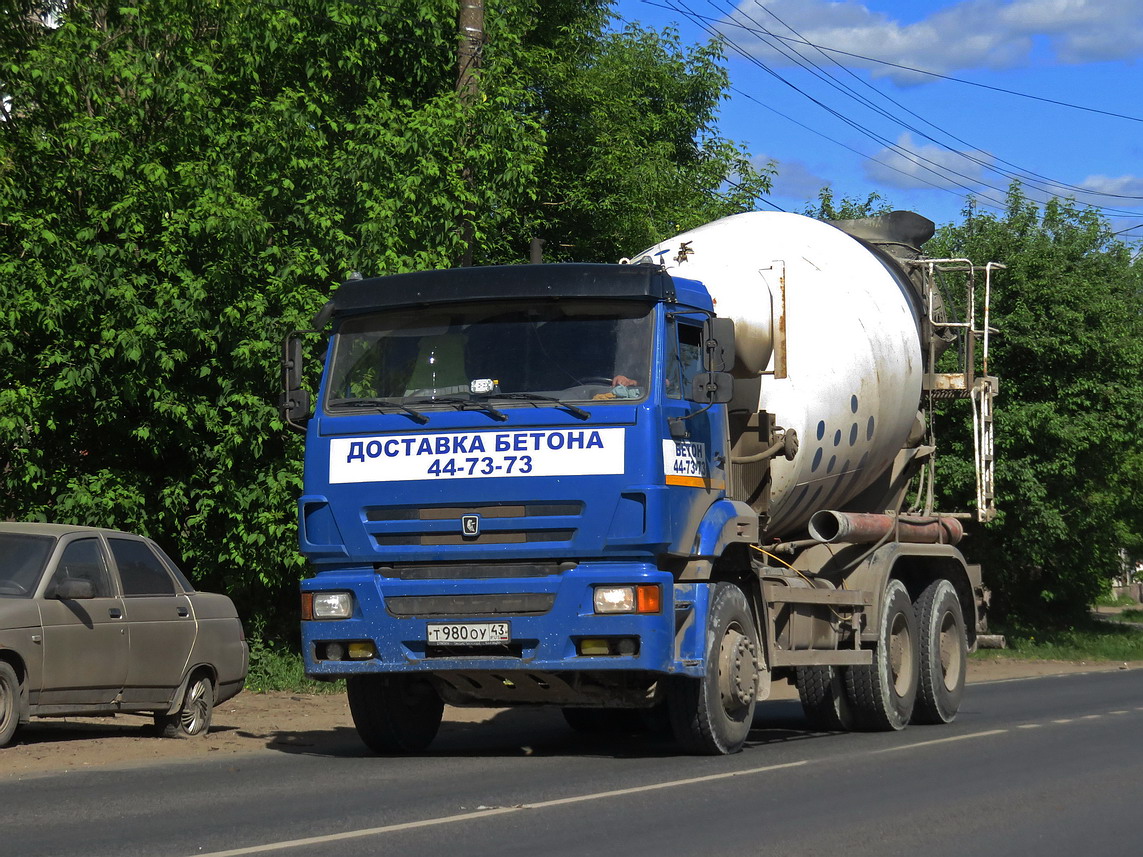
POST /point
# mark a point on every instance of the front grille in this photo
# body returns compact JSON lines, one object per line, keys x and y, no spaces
{"x":500,"y":524}
{"x":524,"y":604}
{"x":467,"y":571}
{"x":445,"y":513}
{"x":502,"y":537}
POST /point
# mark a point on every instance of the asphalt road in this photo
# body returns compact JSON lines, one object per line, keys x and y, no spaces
{"x":1046,"y":766}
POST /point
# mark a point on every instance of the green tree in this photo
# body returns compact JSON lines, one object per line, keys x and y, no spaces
{"x":1069,"y":354}
{"x":848,"y":208}
{"x":633,"y":155}
{"x":181,"y":183}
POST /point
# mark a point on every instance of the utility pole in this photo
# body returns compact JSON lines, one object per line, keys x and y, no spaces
{"x":470,"y":48}
{"x":470,"y":26}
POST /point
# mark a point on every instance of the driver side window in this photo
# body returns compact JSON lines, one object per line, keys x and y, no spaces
{"x":685,"y":360}
{"x":83,"y":560}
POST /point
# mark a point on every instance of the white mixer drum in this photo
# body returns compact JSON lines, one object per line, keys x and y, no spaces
{"x":852,"y":348}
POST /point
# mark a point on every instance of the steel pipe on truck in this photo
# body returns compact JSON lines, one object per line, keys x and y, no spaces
{"x":830,"y":527}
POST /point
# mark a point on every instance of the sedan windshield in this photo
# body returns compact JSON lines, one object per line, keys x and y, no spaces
{"x":22,"y":559}
{"x":568,"y":351}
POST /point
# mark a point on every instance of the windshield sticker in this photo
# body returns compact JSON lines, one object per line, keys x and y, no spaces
{"x":477,"y":455}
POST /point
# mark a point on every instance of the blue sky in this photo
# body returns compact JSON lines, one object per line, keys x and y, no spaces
{"x":942,"y":139}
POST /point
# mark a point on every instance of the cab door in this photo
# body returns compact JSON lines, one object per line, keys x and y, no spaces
{"x":84,"y":639}
{"x":161,"y":623}
{"x":693,"y":450}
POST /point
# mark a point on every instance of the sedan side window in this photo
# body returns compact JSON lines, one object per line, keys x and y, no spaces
{"x":140,"y":571}
{"x":83,"y":560}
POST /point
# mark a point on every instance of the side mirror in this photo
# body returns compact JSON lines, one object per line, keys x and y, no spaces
{"x":714,"y":387}
{"x":295,"y":402}
{"x":718,"y":342}
{"x":73,"y":589}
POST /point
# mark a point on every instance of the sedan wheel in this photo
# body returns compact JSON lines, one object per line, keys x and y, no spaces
{"x":9,"y":702}
{"x":194,"y":717}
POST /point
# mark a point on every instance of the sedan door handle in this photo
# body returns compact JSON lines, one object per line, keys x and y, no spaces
{"x":184,"y":612}
{"x":115,"y":613}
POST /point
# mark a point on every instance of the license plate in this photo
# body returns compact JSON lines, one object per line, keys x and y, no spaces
{"x":469,"y":633}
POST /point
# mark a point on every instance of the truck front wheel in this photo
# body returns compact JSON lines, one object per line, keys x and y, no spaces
{"x":884,"y":693}
{"x":944,"y":654}
{"x":712,"y":715}
{"x":394,"y":713}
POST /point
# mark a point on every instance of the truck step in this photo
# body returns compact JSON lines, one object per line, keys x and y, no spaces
{"x":776,"y":593}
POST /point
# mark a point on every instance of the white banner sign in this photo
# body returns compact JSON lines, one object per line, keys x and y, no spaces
{"x":488,"y":454}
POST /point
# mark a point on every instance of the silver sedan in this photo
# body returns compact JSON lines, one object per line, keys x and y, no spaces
{"x":96,"y":622}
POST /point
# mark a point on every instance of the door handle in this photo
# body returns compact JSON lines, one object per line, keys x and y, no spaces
{"x":183,"y":612}
{"x":115,"y":613}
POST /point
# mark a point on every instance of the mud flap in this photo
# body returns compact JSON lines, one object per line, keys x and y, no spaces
{"x":692,"y":609}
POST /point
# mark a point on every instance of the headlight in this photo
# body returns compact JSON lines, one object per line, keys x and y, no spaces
{"x":643,"y":598}
{"x":333,"y":605}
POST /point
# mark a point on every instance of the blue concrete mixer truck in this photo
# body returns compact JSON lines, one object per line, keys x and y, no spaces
{"x":641,"y":492}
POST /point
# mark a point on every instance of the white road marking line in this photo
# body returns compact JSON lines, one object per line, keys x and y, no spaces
{"x":485,"y":813}
{"x":1119,"y":711}
{"x":564,"y":801}
{"x":942,"y":741}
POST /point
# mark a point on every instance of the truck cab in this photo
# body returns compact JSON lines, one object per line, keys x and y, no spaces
{"x":510,"y":476}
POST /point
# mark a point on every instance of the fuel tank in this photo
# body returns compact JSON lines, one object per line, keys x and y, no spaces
{"x":828,"y":332}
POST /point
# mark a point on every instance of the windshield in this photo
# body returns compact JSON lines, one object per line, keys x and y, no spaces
{"x":569,"y":350}
{"x":22,"y":559}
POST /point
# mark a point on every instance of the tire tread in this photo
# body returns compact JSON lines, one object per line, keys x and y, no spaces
{"x":935,"y":704}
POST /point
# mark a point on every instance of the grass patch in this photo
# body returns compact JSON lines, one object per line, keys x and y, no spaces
{"x":1130,"y":614}
{"x":1092,"y":640}
{"x":274,"y":667}
{"x":1110,"y":600}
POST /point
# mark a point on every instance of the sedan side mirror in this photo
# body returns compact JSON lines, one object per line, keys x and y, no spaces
{"x":73,"y":589}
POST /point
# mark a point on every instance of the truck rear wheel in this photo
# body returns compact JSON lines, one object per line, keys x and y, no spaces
{"x":712,"y":715}
{"x":394,"y":713}
{"x":884,"y":693}
{"x":944,"y":654}
{"x":824,"y":700}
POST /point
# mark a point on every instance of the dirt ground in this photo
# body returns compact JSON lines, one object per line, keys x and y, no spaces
{"x":254,"y":723}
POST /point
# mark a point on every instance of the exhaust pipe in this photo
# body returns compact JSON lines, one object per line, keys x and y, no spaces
{"x":830,"y":527}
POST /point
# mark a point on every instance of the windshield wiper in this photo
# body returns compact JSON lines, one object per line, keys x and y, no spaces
{"x":463,"y":405}
{"x":575,"y":410}
{"x":417,"y":416}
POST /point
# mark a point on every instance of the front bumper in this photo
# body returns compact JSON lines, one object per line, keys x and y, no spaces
{"x":668,"y":642}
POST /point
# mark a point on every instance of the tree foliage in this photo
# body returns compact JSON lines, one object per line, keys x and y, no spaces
{"x":847,"y":208}
{"x":182,"y":183}
{"x":1069,"y":354}
{"x":632,"y":151}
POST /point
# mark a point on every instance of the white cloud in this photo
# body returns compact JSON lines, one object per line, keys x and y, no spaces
{"x":1120,"y":185}
{"x":912,"y":166}
{"x":796,"y":180}
{"x":970,"y":34}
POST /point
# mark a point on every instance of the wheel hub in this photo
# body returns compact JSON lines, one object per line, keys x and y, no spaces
{"x":738,"y":670}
